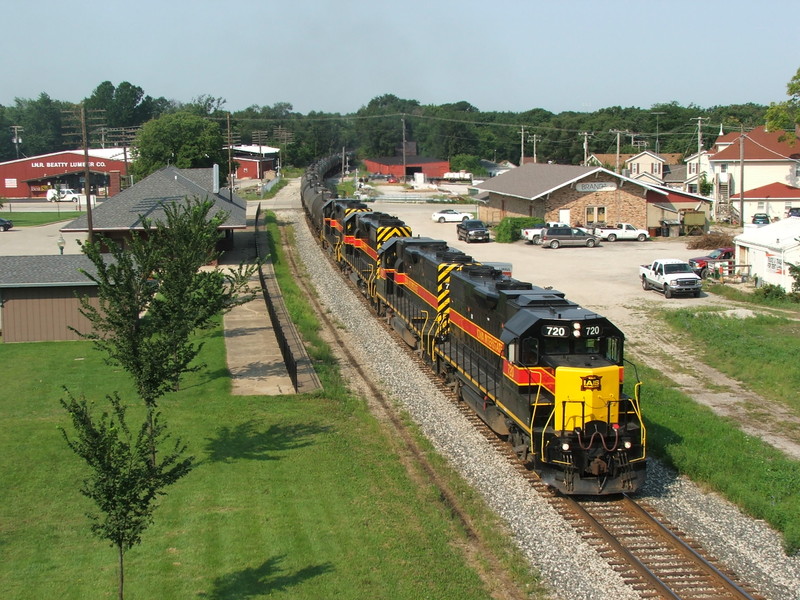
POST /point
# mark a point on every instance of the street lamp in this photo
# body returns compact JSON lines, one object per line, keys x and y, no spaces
{"x":61,"y":243}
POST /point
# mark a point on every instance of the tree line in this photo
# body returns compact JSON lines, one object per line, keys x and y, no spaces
{"x":377,"y":128}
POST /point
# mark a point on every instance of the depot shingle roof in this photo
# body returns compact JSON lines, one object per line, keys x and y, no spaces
{"x":148,"y":197}
{"x":50,"y":271}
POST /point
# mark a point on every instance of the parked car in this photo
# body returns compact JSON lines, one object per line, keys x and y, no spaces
{"x":472,"y":230}
{"x":62,"y":195}
{"x":568,"y":236}
{"x":623,"y":231}
{"x":5,"y":224}
{"x":794,"y":212}
{"x":534,"y":234}
{"x":702,"y":264}
{"x":450,"y":215}
{"x":392,"y":180}
{"x":761,"y":219}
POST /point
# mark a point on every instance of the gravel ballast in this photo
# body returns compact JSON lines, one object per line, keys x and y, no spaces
{"x":569,"y":566}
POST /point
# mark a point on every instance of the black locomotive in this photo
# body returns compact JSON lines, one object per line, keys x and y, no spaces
{"x":538,"y":369}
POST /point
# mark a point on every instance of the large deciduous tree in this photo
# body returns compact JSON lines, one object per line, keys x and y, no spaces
{"x":124,"y":482}
{"x":181,"y":139}
{"x":125,"y":105}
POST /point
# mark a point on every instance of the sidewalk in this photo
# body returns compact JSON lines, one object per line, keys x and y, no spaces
{"x":253,"y":354}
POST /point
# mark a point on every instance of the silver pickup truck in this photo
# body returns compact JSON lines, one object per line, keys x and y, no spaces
{"x":671,"y":276}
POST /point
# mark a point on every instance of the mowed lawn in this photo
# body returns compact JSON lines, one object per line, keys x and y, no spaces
{"x":292,"y":496}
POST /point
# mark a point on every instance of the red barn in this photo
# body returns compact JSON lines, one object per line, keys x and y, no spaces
{"x":32,"y":177}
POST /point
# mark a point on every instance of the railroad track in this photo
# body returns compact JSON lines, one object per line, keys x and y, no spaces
{"x":651,"y":556}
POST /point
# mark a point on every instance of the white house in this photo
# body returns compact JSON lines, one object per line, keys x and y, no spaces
{"x":767,"y":159}
{"x":769,"y":251}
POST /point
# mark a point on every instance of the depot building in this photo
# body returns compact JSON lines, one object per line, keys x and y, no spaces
{"x":32,"y":177}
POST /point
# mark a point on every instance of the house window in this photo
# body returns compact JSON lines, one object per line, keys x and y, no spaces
{"x":655,"y":168}
{"x":595,"y":215}
{"x":693,"y":168}
{"x":797,"y":169}
{"x":762,"y":206}
{"x":692,"y":188}
{"x":635,"y":169}
{"x":723,"y":168}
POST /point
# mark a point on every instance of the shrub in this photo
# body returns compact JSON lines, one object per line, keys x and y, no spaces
{"x":770,"y":291}
{"x":508,"y":230}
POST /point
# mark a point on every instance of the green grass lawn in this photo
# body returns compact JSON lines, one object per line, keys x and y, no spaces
{"x":292,"y":496}
{"x":31,"y":219}
{"x":761,"y":352}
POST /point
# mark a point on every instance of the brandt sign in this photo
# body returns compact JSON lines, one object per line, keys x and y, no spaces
{"x":597,"y":186}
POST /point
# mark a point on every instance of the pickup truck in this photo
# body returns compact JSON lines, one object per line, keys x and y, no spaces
{"x":671,"y":276}
{"x":623,"y":231}
{"x":534,"y":234}
{"x":719,"y":257}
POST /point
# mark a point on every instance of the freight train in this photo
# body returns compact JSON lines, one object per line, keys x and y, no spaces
{"x":540,"y":370}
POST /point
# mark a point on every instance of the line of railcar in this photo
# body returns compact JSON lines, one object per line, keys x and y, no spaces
{"x":537,"y":368}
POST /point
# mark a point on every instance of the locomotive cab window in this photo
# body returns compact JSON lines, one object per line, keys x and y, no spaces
{"x":528,"y":352}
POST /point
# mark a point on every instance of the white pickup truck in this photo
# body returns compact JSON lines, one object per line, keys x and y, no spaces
{"x":671,"y":276}
{"x":534,"y":234}
{"x":623,"y":231}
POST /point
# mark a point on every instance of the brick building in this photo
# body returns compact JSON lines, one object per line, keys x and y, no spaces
{"x":581,"y":196}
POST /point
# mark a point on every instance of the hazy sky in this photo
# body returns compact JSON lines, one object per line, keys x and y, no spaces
{"x":318,"y":55}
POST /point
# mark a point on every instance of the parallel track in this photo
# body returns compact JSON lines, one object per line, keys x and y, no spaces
{"x":650,"y":556}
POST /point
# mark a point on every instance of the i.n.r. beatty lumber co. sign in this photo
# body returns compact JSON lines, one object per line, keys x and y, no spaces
{"x":597,"y":186}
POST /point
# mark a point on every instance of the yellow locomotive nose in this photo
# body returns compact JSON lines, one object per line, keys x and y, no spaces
{"x":585,"y":395}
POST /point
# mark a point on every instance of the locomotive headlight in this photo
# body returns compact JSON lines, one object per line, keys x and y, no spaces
{"x":565,"y":447}
{"x":627,"y":445}
{"x":576,"y":329}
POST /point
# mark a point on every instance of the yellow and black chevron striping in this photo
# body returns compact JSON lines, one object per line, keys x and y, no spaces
{"x":384,"y":234}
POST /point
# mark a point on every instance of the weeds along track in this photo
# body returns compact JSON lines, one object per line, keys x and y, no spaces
{"x":651,"y":556}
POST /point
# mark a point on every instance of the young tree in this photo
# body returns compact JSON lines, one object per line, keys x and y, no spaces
{"x":124,"y":482}
{"x":153,"y":295}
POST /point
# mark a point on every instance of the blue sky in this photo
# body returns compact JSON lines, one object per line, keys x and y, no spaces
{"x":336,"y":56}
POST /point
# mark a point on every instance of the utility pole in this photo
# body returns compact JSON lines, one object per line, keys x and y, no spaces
{"x":699,"y":147}
{"x":87,"y":175}
{"x":17,"y":129}
{"x":585,"y":135}
{"x":535,"y":139}
{"x":259,"y":136}
{"x":618,"y":132}
{"x":403,"y":119}
{"x":521,"y":145}
{"x":741,"y":175}
{"x":230,"y":160}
